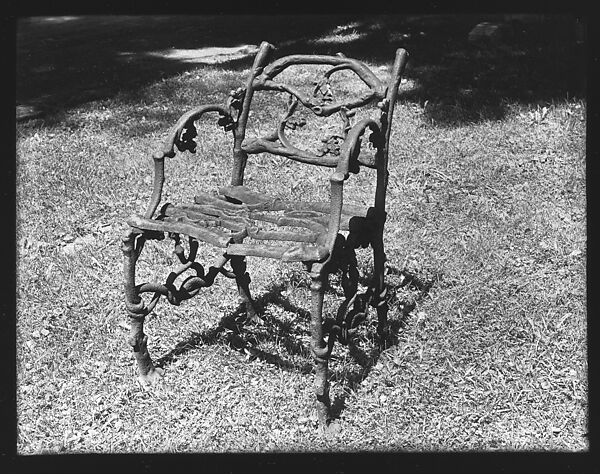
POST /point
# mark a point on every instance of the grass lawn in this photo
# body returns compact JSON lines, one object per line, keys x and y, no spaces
{"x":487,"y":206}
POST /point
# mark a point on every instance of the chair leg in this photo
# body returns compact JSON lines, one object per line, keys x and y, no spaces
{"x":147,"y":372}
{"x":242,"y":278}
{"x":319,"y":348}
{"x":379,"y":289}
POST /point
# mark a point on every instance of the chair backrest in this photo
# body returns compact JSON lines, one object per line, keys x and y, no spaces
{"x":322,"y":102}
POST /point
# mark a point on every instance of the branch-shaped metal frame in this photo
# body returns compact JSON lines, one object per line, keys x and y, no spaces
{"x":320,"y":246}
{"x":278,"y":143}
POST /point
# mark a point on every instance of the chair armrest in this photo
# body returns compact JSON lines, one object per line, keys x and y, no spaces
{"x":347,"y":162}
{"x":167,"y":149}
{"x":174,"y":139}
{"x":349,"y":151}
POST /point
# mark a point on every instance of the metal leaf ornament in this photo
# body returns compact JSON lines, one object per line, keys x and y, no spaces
{"x":323,"y":91}
{"x":186,"y":142}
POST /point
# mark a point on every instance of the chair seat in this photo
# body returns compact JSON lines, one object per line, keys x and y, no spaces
{"x":248,"y":223}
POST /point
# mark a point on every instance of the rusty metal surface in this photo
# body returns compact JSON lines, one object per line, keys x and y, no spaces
{"x":243,"y":222}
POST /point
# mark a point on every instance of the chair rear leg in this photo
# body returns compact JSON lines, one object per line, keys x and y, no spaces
{"x":379,"y":289}
{"x":147,"y":372}
{"x":242,"y":279}
{"x":320,"y":349}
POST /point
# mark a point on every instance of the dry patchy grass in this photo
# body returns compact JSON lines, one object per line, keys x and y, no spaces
{"x":491,"y":357}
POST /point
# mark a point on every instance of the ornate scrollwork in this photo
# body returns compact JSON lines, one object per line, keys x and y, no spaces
{"x":346,"y":114}
{"x":236,"y":99}
{"x":354,"y":309}
{"x":331,"y":145}
{"x":235,"y":103}
{"x":188,"y":288}
{"x":184,"y":141}
{"x":293,"y":123}
{"x":227,"y":122}
{"x":322,"y":90}
{"x":377,"y":140}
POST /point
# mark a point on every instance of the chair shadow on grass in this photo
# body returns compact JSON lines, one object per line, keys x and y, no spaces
{"x":363,"y":348}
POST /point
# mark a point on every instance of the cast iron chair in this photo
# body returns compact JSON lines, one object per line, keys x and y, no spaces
{"x":234,"y":219}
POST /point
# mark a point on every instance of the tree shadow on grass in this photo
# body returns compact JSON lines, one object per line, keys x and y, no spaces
{"x":62,"y":63}
{"x":364,"y":349}
{"x":459,"y":79}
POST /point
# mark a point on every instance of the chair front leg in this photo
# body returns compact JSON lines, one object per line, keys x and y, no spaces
{"x":320,"y":349}
{"x":147,"y":372}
